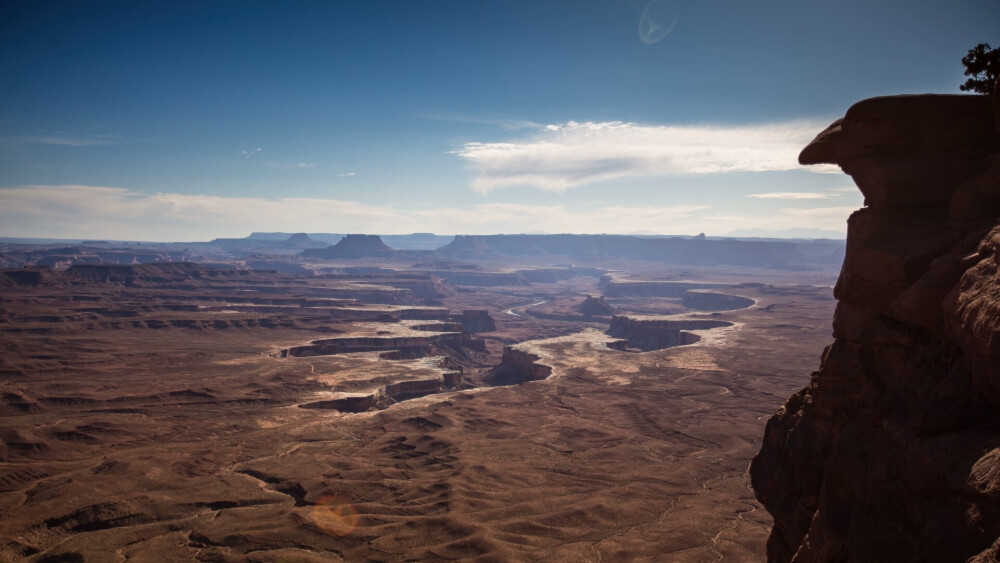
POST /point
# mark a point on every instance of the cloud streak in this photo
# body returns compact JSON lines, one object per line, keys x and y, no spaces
{"x":74,"y":211}
{"x":793,"y":195}
{"x":564,"y":156}
{"x":58,"y":139}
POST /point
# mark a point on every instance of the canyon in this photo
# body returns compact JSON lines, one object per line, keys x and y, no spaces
{"x":453,"y":409}
{"x":311,"y":397}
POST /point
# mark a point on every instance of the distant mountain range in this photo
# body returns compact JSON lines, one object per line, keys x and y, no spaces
{"x":284,"y":251}
{"x":415,"y":241}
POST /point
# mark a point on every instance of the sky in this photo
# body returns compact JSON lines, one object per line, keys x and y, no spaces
{"x":186,"y":121}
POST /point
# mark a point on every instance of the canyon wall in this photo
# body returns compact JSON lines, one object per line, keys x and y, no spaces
{"x":656,"y":334}
{"x":518,"y":366}
{"x":892,"y":452}
{"x":476,"y":320}
{"x":408,"y":346}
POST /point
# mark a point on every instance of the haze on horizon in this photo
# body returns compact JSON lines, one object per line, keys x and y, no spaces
{"x":190,"y":120}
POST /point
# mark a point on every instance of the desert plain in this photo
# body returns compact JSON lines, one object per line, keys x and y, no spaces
{"x":382,"y":409}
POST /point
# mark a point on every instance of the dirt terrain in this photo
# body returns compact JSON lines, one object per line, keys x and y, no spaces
{"x":187,"y":412}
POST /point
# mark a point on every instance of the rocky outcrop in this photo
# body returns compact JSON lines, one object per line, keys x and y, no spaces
{"x":407,"y":346}
{"x":283,"y":266}
{"x":641,"y":288}
{"x":442,"y":326}
{"x":596,"y":306}
{"x":132,"y":274}
{"x":892,"y":453}
{"x":518,"y":366}
{"x":352,"y":246}
{"x":413,"y":388}
{"x":702,"y":300}
{"x":481,"y":279}
{"x":60,"y":258}
{"x":388,"y":394}
{"x":655,"y":334}
{"x":476,"y":320}
{"x":345,"y":403}
{"x":268,"y":242}
{"x":31,"y":276}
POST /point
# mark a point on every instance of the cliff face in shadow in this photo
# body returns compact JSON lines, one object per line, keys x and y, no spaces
{"x":892,"y":453}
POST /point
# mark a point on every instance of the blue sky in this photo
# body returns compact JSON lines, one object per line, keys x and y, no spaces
{"x":191,"y":120}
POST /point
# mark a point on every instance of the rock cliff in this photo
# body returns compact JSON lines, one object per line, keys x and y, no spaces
{"x":352,"y":246}
{"x":657,"y":333}
{"x":476,"y":320}
{"x":892,"y":452}
{"x":596,"y":306}
{"x":517,"y":366}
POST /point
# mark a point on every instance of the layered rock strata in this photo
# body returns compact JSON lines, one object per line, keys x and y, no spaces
{"x":636,"y":288}
{"x":518,"y":366}
{"x":388,"y":394}
{"x":702,"y":300}
{"x":892,"y":453}
{"x":596,"y":306}
{"x":656,"y":333}
{"x":476,"y":320}
{"x":407,"y":346}
{"x":352,"y":246}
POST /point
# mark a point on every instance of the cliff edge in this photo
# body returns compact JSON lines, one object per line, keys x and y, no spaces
{"x":892,"y":452}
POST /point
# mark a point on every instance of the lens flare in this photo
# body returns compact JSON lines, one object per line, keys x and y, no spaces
{"x":335,"y":515}
{"x":658,"y":20}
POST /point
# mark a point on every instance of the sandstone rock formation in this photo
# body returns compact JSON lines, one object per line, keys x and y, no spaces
{"x":596,"y":306}
{"x":658,"y":333}
{"x":615,"y":287}
{"x":518,"y":365}
{"x":703,"y":300}
{"x":352,"y":246}
{"x":407,"y":346}
{"x":892,"y":453}
{"x":476,"y":320}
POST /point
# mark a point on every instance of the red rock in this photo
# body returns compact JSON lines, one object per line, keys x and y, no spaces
{"x":352,"y":246}
{"x":909,"y":149}
{"x":596,"y":306}
{"x":978,"y":197}
{"x":974,"y":317}
{"x":887,"y":251}
{"x":891,"y":453}
{"x":996,"y":105}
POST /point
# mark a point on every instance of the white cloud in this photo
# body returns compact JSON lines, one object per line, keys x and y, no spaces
{"x":347,"y":175}
{"x":68,"y":140}
{"x":251,"y":153}
{"x":793,"y":195}
{"x":563,"y":156}
{"x":72,"y":211}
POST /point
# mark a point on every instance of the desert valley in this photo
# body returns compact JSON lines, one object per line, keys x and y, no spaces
{"x":365,"y":403}
{"x":525,"y":281}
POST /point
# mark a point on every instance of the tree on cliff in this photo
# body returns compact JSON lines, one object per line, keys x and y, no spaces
{"x":982,"y":64}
